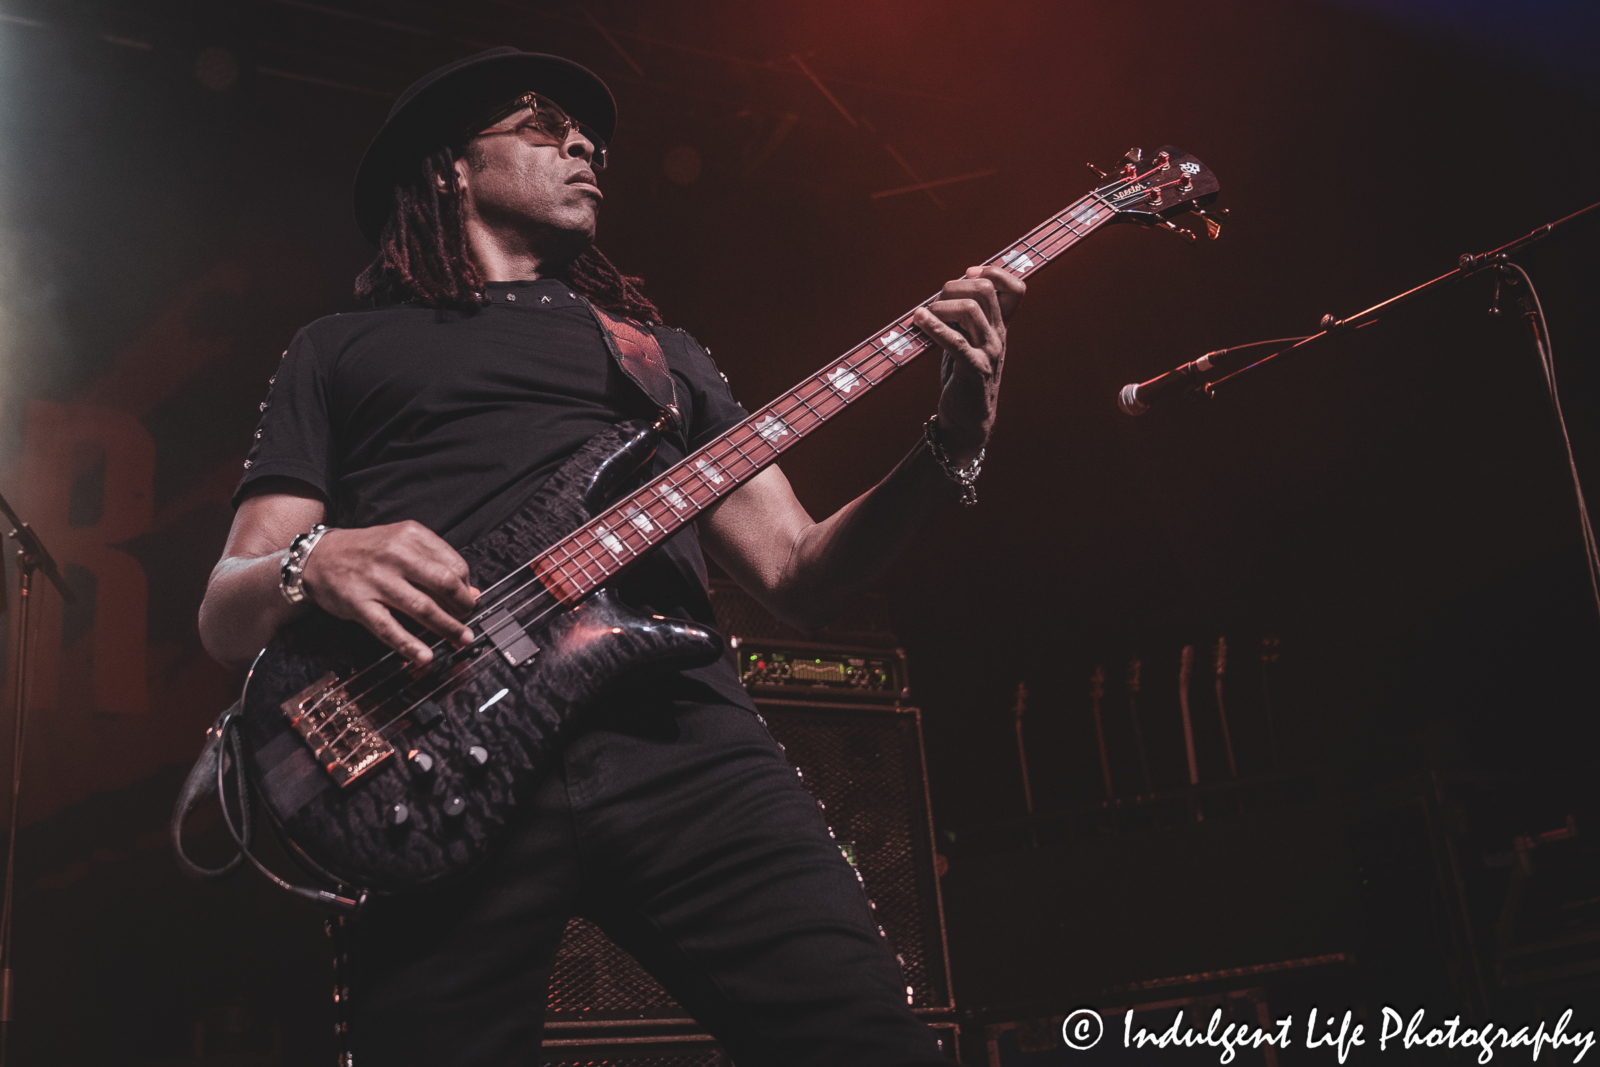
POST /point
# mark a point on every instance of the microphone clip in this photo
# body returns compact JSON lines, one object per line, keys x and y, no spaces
{"x":1135,"y":397}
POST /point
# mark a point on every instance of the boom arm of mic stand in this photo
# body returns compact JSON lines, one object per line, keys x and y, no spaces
{"x":1469,"y":264}
{"x":34,"y":554}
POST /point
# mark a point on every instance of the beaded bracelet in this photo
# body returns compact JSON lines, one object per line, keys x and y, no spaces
{"x":966,"y":477}
{"x":291,"y":576}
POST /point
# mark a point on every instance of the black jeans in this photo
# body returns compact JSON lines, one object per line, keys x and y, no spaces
{"x":685,"y":836}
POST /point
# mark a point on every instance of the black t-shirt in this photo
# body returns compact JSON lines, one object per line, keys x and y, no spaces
{"x":455,"y":419}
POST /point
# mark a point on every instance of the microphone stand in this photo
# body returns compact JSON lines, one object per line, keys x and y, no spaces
{"x":1469,"y":264}
{"x":31,"y":556}
{"x":1508,"y":276}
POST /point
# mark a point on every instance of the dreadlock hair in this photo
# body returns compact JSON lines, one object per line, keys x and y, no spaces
{"x":423,"y":256}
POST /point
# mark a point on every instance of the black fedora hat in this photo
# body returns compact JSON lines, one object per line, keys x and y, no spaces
{"x":437,"y":108}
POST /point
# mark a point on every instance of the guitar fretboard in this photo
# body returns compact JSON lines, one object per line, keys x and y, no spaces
{"x":585,"y":559}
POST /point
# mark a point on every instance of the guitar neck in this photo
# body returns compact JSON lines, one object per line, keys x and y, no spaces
{"x":588,"y":557}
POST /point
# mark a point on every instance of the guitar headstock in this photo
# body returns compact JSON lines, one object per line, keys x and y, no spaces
{"x":1152,"y":191}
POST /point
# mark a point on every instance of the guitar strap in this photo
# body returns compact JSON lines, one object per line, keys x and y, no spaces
{"x":201,"y":783}
{"x":639,"y":354}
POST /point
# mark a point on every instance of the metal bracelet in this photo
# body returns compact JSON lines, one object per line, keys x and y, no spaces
{"x":966,"y":477}
{"x":291,"y":575}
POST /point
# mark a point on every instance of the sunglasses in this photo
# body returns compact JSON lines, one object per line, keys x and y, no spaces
{"x":546,"y":121}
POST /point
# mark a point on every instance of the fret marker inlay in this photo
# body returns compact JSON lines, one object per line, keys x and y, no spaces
{"x":896,"y":342}
{"x":844,"y":379}
{"x":673,"y":497}
{"x":1016,"y":259}
{"x":640,"y":520}
{"x":709,"y":470}
{"x":610,"y":540}
{"x":771,"y":428}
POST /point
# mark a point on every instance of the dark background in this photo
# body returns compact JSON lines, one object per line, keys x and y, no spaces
{"x":1394,"y":507}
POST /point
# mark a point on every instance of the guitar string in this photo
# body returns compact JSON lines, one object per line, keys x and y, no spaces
{"x":725,"y":461}
{"x":471,"y":667}
{"x":1063,"y":221}
{"x":794,"y":398}
{"x":673,"y":476}
{"x":1049,"y":234}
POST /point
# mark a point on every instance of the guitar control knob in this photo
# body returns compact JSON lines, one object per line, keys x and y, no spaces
{"x":398,"y":814}
{"x":478,"y":754}
{"x":455,"y":806}
{"x":422,"y":761}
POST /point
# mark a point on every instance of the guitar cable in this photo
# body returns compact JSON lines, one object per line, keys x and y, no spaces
{"x":227,"y":733}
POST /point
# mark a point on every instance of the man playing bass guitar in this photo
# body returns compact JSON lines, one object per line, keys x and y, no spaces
{"x":671,"y":820}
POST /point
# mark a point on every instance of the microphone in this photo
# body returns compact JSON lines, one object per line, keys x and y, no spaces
{"x":1136,"y":397}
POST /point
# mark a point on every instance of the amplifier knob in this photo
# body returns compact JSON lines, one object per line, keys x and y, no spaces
{"x":422,"y":761}
{"x":455,"y":806}
{"x":398,"y":814}
{"x":478,"y":754}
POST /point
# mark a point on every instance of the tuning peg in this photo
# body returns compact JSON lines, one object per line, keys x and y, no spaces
{"x":1097,"y":170}
{"x":1133,"y":155}
{"x":1213,"y":227}
{"x":1188,"y":235}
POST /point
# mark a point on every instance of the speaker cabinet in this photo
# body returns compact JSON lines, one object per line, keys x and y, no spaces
{"x":694,"y":1050}
{"x":865,"y":764}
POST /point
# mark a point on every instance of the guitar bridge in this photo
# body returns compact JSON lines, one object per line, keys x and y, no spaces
{"x":335,"y":729}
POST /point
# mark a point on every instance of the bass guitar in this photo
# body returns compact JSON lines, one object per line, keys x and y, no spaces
{"x":385,"y":777}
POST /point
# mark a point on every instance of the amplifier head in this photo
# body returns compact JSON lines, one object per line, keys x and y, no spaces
{"x":806,"y":671}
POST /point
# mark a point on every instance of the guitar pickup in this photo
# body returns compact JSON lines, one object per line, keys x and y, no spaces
{"x":508,"y":636}
{"x":422,"y":711}
{"x":425,"y":713}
